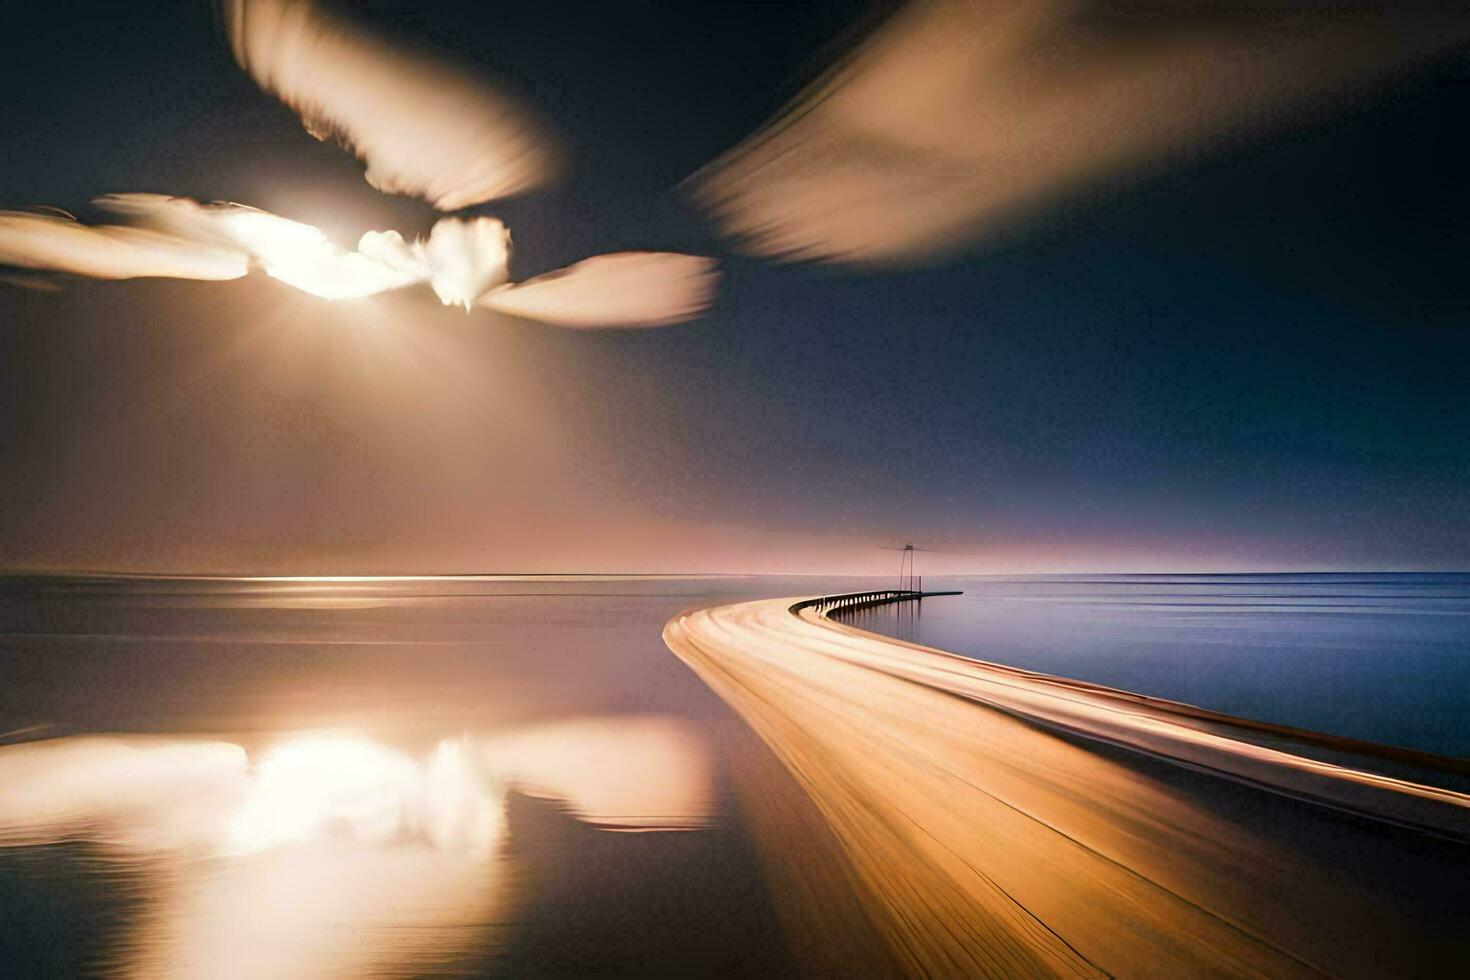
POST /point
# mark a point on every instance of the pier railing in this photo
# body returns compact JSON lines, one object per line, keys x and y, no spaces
{"x":862,"y":600}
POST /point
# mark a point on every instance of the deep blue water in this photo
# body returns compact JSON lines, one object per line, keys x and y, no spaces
{"x":1378,"y":656}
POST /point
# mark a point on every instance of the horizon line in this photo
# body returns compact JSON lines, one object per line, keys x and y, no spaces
{"x":452,"y":576}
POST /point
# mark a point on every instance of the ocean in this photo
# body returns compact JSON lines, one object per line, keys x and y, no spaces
{"x":513,"y":776}
{"x":1383,"y":656}
{"x":494,"y":776}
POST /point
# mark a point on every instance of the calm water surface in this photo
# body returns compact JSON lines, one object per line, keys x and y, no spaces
{"x":1383,"y":656}
{"x":502,"y":776}
{"x":400,"y":777}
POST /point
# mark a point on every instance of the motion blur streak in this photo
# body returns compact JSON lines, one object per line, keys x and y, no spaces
{"x":956,"y":114}
{"x":422,"y":126}
{"x":464,"y":254}
{"x":646,"y":772}
{"x":586,"y":762}
{"x":626,"y":289}
{"x":62,"y":244}
{"x":989,"y":845}
{"x":125,"y":792}
{"x":464,"y":260}
{"x":324,"y":908}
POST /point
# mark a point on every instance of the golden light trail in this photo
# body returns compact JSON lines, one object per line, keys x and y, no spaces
{"x":984,"y":844}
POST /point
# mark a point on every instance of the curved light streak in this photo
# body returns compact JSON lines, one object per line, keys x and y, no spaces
{"x":987,"y":844}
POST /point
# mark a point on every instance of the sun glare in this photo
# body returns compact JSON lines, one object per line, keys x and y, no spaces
{"x":301,"y":255}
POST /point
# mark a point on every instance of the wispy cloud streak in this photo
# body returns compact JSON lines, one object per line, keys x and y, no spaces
{"x":461,"y":259}
{"x":63,"y":244}
{"x":957,"y":115}
{"x":424,"y":127}
{"x":625,"y":289}
{"x":297,"y":254}
{"x":465,"y":261}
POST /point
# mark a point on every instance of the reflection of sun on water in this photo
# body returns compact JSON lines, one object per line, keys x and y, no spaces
{"x":458,"y":813}
{"x":338,"y":782}
{"x":331,"y":853}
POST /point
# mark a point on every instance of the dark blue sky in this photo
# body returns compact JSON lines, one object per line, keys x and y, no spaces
{"x":1253,"y":357}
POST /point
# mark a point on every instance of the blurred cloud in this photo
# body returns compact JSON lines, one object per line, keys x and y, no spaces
{"x":63,"y":244}
{"x":295,"y":253}
{"x":625,"y":289}
{"x":464,"y":260}
{"x":955,"y":115}
{"x":424,"y":127}
{"x":466,"y":257}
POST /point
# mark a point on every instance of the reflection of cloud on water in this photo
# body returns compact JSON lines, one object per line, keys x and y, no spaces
{"x":330,"y":906}
{"x":149,"y":793}
{"x":333,"y":853}
{"x":369,"y":792}
{"x":617,"y":774}
{"x":131,"y":793}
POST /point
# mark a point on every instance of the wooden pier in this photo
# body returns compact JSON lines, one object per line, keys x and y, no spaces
{"x":863,"y":600}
